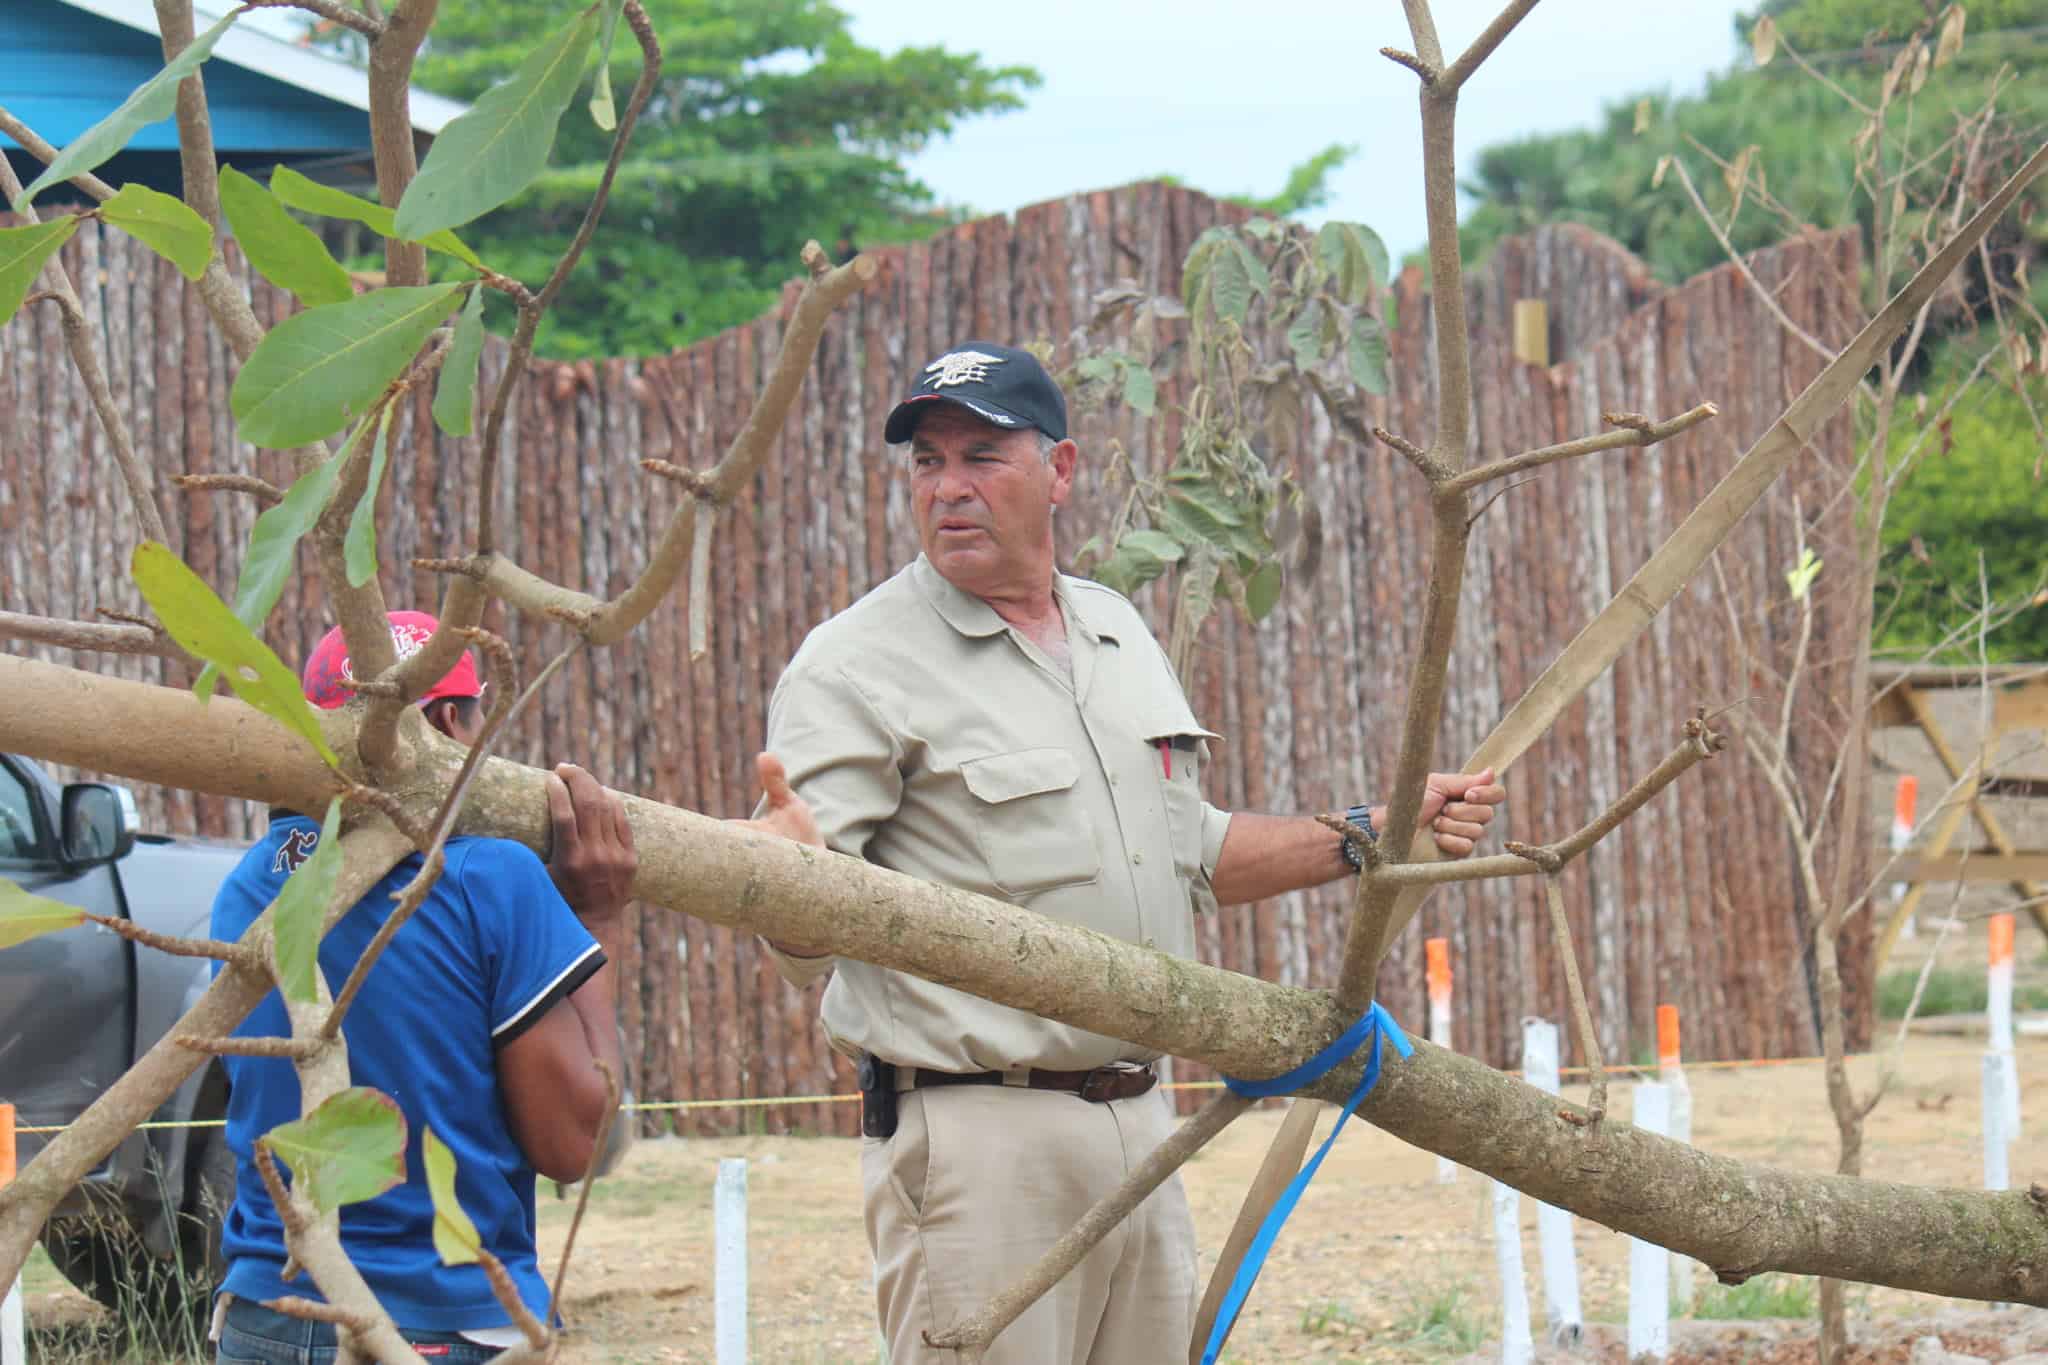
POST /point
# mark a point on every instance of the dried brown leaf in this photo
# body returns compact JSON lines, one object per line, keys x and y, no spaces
{"x":1763,"y":40}
{"x":1950,"y":41}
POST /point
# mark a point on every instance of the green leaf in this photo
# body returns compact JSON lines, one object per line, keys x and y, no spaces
{"x":204,"y":627}
{"x":359,"y":547}
{"x":603,"y":111}
{"x":455,"y":390}
{"x":1254,"y":268}
{"x":1230,"y":285}
{"x":483,"y":159}
{"x":23,"y":253}
{"x":302,"y":380}
{"x":284,"y":251}
{"x":152,"y":101}
{"x":1367,"y":355}
{"x":350,"y":1149}
{"x":455,"y":1236}
{"x":1194,"y":271}
{"x":302,"y":908}
{"x":1305,"y":336}
{"x":1355,"y":257}
{"x":273,"y":546}
{"x":23,"y":916}
{"x":310,"y":196}
{"x":1800,"y":580}
{"x":1265,"y":229}
{"x":1262,"y":591}
{"x":1158,"y":544}
{"x":1206,"y":514}
{"x":1140,"y":390}
{"x":164,"y":225}
{"x":1100,"y":366}
{"x":1130,"y":568}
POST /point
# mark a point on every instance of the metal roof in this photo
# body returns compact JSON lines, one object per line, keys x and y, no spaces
{"x":307,"y":68}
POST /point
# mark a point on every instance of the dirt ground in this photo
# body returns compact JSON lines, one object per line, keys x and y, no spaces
{"x":1380,"y":1263}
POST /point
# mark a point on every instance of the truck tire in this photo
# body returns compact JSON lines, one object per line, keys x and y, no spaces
{"x":102,"y":1252}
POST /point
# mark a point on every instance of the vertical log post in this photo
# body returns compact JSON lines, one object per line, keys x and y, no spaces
{"x":1904,"y":802}
{"x":1438,"y":952}
{"x":729,"y":1231}
{"x":1516,"y":1345}
{"x":1532,"y":332}
{"x":1998,"y":1015}
{"x":1553,"y":1225}
{"x":13,"y":1339}
{"x":1649,"y":1265}
{"x":1672,"y":1074}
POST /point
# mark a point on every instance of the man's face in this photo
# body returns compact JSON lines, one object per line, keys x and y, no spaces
{"x":983,"y":498}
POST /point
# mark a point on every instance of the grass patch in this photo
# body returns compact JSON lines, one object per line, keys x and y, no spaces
{"x":1950,"y":990}
{"x":1446,"y":1321}
{"x":1766,"y":1296}
{"x":1327,"y":1317}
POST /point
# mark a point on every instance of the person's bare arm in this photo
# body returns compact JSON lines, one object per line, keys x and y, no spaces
{"x":1269,"y":855}
{"x":555,"y":1096}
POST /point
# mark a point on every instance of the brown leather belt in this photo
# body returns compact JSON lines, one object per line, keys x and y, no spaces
{"x":1097,"y":1086}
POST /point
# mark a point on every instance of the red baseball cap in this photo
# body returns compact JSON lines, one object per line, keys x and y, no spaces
{"x":326,"y":676}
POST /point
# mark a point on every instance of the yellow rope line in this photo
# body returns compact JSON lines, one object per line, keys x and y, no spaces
{"x":765,"y":1101}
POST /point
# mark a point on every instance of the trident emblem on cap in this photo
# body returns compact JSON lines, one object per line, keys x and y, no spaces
{"x":961,"y":367}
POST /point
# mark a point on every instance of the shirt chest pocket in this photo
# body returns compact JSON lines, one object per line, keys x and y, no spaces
{"x":1034,"y":834}
{"x":1179,"y":747}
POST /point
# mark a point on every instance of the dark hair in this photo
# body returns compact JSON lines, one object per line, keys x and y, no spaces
{"x":467,"y":709}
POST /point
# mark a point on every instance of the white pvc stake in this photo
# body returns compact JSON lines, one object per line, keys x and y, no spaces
{"x":1998,"y":1012}
{"x":1903,"y":802}
{"x":1437,"y":952}
{"x":1516,"y":1346}
{"x":1649,"y":1265}
{"x":1672,"y":1074}
{"x":13,"y":1331}
{"x":729,"y":1230}
{"x":1996,"y":1176}
{"x":1553,"y":1225}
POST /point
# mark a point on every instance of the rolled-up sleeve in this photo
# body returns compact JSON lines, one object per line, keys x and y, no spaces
{"x":1215,"y":824}
{"x":844,"y":760}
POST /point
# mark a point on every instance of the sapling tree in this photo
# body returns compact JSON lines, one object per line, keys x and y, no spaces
{"x":322,"y":384}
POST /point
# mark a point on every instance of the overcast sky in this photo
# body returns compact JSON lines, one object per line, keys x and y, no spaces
{"x":1230,"y":94}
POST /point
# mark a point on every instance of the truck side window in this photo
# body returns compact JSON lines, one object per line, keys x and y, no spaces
{"x":17,"y":817}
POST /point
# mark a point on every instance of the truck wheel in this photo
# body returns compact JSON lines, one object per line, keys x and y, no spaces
{"x":102,"y":1253}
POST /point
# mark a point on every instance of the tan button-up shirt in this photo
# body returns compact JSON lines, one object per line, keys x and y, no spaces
{"x":930,"y":737}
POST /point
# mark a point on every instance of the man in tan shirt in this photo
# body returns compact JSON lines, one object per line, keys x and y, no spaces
{"x":983,"y":721}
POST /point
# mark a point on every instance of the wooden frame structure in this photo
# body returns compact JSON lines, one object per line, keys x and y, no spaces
{"x":2019,"y":702}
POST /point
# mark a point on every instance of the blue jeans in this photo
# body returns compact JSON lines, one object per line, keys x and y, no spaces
{"x":255,"y":1335}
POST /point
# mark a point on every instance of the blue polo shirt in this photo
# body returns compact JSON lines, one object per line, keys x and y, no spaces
{"x":491,"y":950}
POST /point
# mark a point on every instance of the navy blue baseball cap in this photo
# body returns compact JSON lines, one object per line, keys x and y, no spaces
{"x":1003,"y":385}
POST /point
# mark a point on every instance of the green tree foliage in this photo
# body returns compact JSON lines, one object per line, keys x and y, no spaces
{"x":1828,"y":28}
{"x":771,"y":125}
{"x":1801,"y":130}
{"x":1976,"y":486}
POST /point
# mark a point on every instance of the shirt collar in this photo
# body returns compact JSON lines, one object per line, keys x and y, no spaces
{"x":972,"y":617}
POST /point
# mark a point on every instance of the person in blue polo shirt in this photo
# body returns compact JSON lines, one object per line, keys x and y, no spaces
{"x":483,"y":1019}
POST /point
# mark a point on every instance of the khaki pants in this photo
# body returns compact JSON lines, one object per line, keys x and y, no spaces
{"x":979,"y":1180}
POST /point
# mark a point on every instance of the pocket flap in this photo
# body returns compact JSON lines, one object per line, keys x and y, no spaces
{"x":1027,"y":772}
{"x":1163,"y":713}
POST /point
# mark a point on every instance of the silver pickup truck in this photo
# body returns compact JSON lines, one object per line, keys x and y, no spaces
{"x":77,"y":1008}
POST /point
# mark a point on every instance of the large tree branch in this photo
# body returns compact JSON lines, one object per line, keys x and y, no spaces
{"x":604,"y":623}
{"x":391,"y":57}
{"x":1737,"y":1217}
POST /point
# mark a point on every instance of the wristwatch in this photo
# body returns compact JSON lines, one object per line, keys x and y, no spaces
{"x":1360,"y":816}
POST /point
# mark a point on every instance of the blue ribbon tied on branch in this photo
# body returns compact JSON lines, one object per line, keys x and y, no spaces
{"x":1371,"y":1027}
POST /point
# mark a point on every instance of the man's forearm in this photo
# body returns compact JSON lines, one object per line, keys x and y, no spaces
{"x":596,"y":1000}
{"x":1270,"y":855}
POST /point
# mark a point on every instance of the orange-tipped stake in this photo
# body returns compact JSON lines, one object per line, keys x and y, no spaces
{"x":1667,"y":1037}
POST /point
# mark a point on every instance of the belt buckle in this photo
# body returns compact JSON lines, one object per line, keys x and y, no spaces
{"x":1101,"y":1085}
